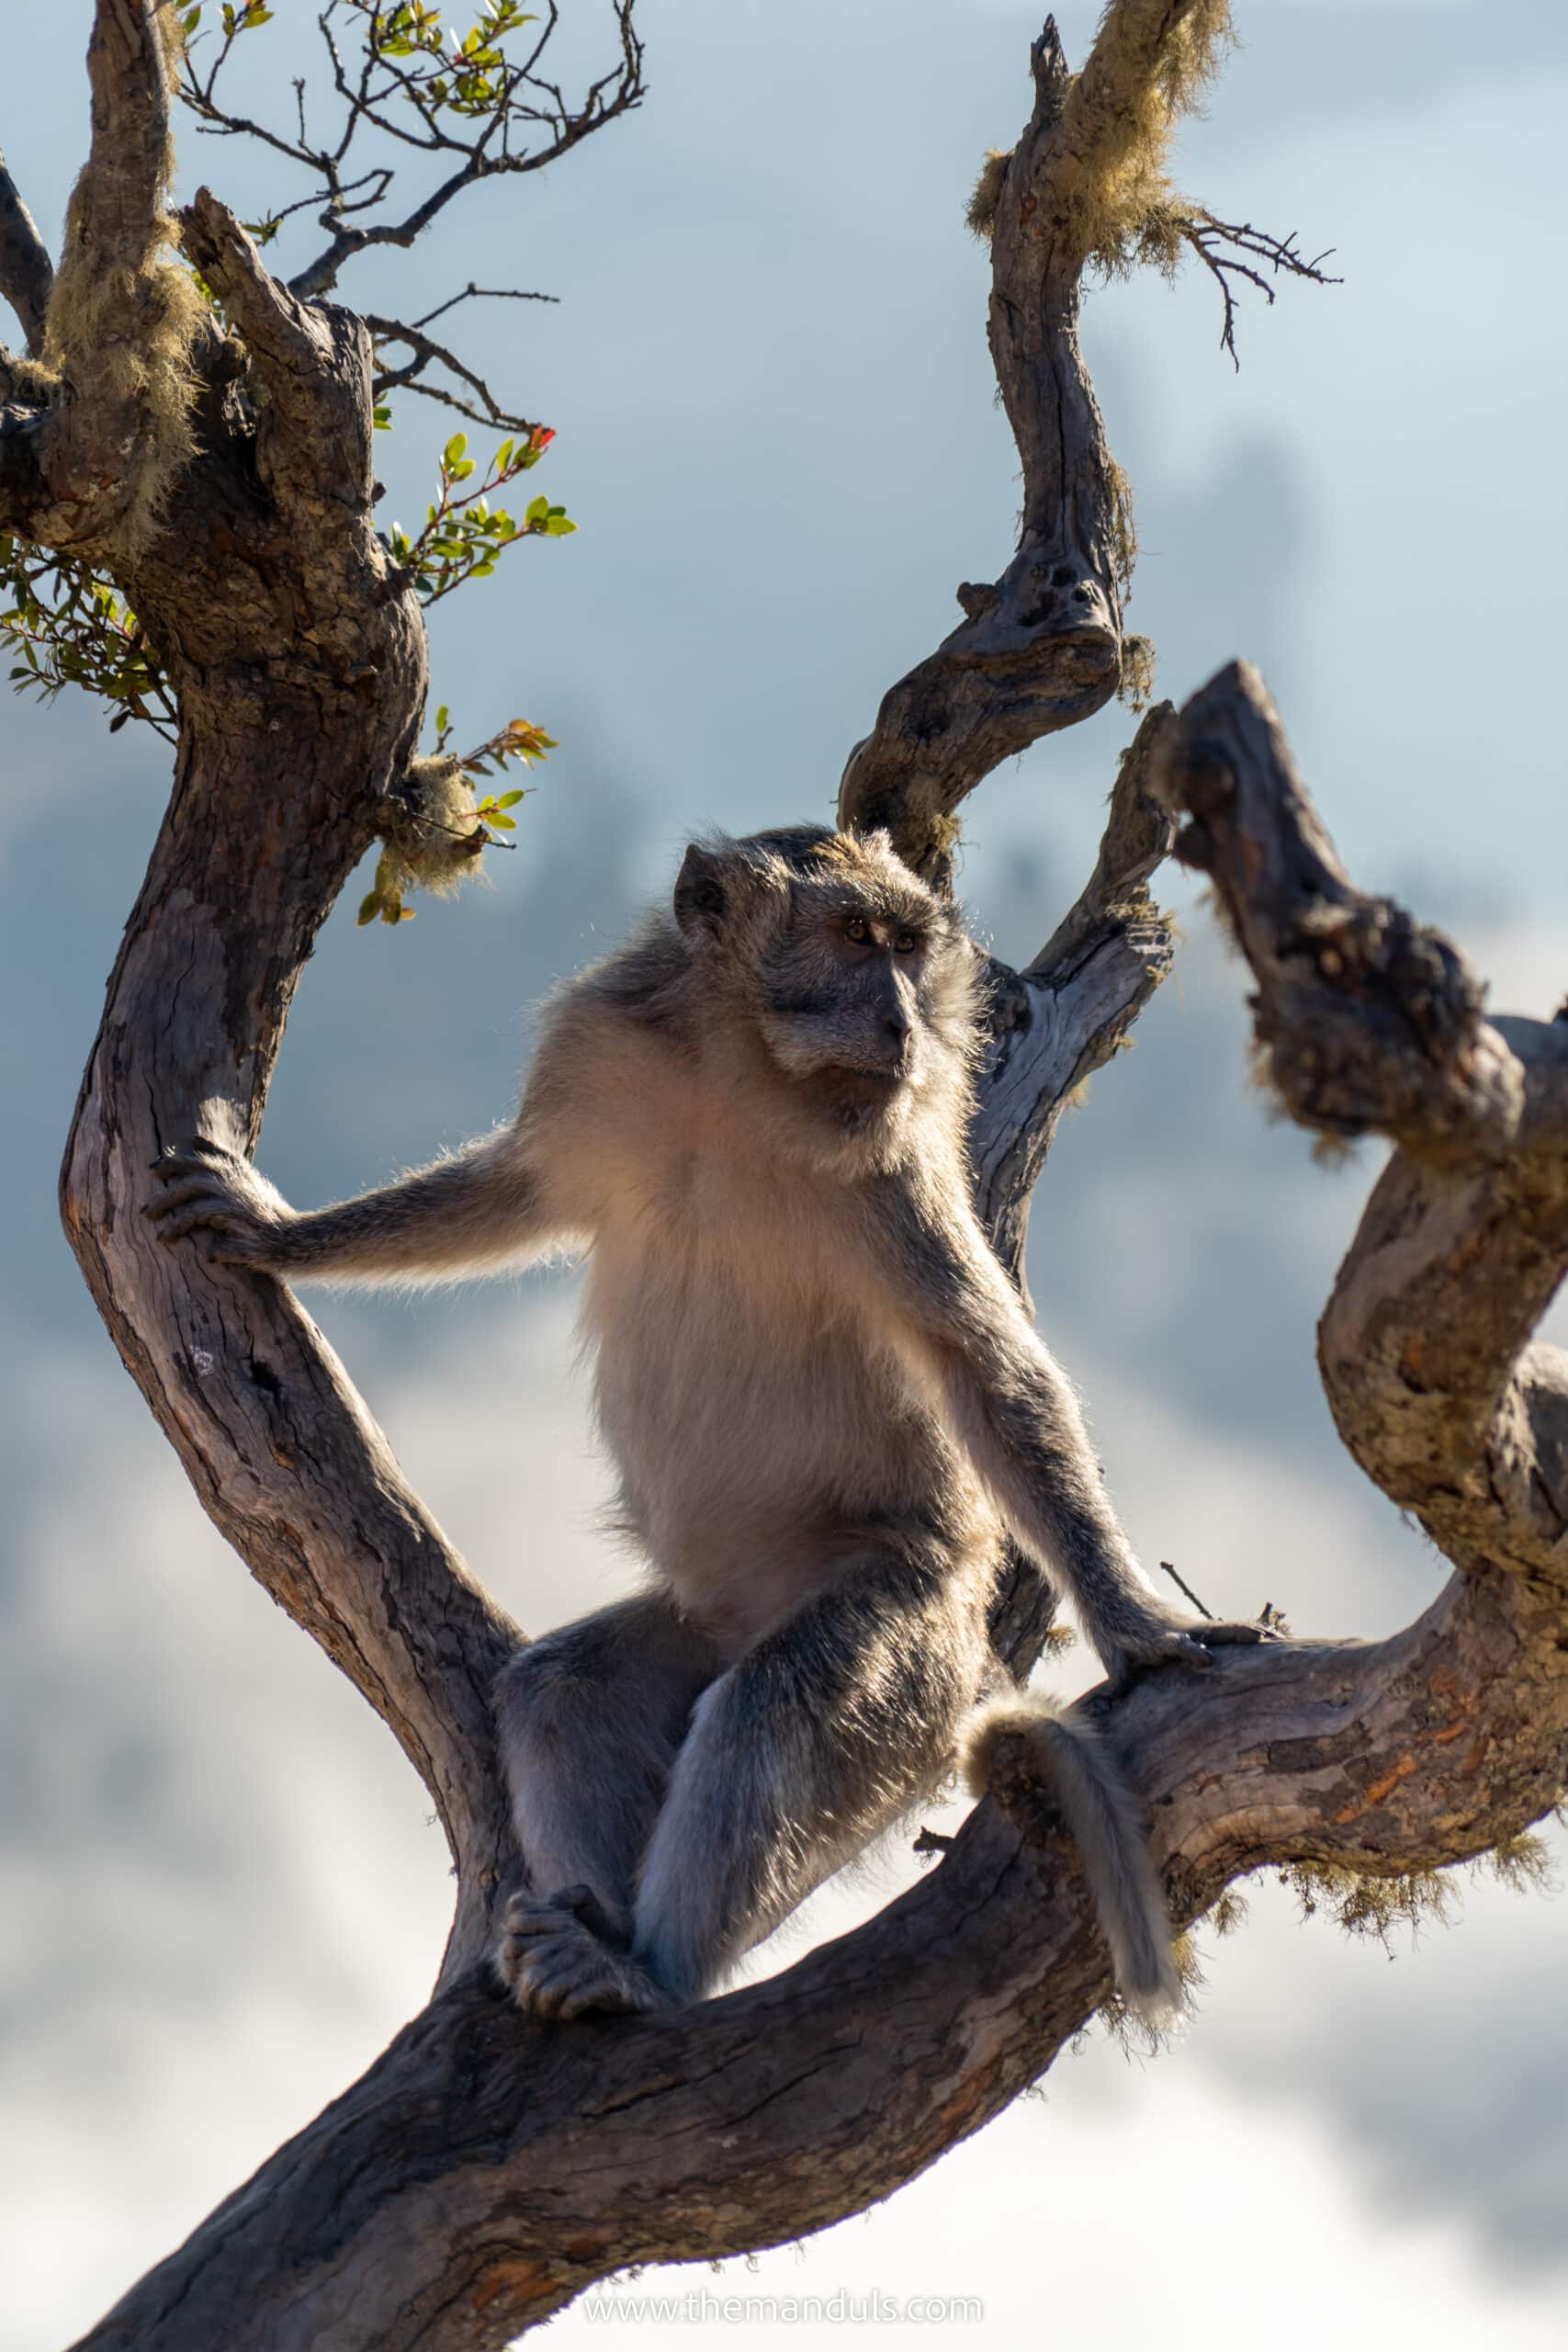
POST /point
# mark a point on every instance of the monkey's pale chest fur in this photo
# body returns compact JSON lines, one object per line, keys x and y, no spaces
{"x":764,"y":1408}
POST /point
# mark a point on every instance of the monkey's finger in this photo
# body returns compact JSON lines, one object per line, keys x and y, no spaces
{"x":231,"y":1240}
{"x":195,"y":1157}
{"x":542,"y":1999}
{"x":530,"y":1915}
{"x":179,"y":1216}
{"x":608,"y":1995}
{"x":547,"y":1979}
{"x":182,"y":1164}
{"x":1191,"y":1649}
{"x":188,"y":1194}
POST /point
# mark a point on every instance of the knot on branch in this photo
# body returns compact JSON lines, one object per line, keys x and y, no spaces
{"x":1366,"y":1019}
{"x":1379,"y":1025}
{"x":979,"y":598}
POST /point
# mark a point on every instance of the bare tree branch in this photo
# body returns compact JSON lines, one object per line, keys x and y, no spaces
{"x":1370,"y":1021}
{"x":425,"y":352}
{"x":486,"y":2170}
{"x":1042,"y":649}
{"x":26,"y":271}
{"x":413,"y":96}
{"x":1065,"y":1016}
{"x":312,"y":438}
{"x":1374,"y":1023}
{"x":1229,"y":250}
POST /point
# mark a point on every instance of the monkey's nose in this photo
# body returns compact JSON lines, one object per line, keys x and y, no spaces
{"x":897,"y":1024}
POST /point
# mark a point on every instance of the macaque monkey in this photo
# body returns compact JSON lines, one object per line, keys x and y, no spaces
{"x":827,"y":1405}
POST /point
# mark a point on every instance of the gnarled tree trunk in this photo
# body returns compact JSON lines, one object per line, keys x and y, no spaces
{"x":487,"y":2167}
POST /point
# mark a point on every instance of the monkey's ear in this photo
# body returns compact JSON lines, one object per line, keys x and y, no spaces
{"x":699,"y":892}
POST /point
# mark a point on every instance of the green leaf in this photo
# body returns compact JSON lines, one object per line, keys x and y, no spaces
{"x":454,"y":452}
{"x":369,"y":907}
{"x":510,"y":799}
{"x":536,"y":511}
{"x":559,"y":525}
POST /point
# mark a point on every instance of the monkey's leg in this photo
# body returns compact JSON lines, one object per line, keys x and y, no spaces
{"x":815,"y":1740}
{"x":588,"y":1721}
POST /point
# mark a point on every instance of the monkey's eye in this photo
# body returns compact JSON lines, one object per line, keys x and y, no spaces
{"x":856,"y":929}
{"x":905,"y":944}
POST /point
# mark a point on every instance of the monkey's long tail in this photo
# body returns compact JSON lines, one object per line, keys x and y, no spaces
{"x":1081,"y":1773}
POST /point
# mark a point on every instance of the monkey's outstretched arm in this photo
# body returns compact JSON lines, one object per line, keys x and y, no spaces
{"x":1016,"y":1412}
{"x":489,"y":1204}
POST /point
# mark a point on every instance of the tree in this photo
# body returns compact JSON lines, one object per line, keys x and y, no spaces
{"x":429,"y":2204}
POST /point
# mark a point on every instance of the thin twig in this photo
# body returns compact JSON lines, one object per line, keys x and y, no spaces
{"x":1183,"y":1587}
{"x":1208,"y":239}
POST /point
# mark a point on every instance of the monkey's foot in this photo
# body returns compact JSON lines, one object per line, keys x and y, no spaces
{"x":554,"y":1965}
{"x":1177,"y":1644}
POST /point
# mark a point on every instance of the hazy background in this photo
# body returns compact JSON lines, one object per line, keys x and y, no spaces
{"x":768,"y":369}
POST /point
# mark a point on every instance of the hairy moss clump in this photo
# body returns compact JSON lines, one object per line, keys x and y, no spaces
{"x":1364,"y":1905}
{"x":980,"y":214}
{"x":1125,"y":207}
{"x":1522,"y":1863}
{"x":1228,"y":1914}
{"x":432,"y":843}
{"x":1124,"y":526}
{"x":1136,"y":684}
{"x":122,"y":333}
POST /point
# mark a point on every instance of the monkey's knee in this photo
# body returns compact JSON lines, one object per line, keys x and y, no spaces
{"x":539,"y":1693}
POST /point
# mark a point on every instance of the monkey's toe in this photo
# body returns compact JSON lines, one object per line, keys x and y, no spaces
{"x":1214,"y":1633}
{"x":1191,"y":1645}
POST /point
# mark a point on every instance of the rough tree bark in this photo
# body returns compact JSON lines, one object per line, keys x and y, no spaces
{"x":485,"y":2169}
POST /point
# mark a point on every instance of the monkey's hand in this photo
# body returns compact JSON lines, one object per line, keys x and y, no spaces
{"x":556,"y":1965}
{"x":211,"y":1191}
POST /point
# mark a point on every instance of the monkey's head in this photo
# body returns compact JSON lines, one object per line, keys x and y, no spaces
{"x":856,"y":978}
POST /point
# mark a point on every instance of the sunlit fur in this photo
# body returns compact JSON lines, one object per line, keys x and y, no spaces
{"x":824,"y":1402}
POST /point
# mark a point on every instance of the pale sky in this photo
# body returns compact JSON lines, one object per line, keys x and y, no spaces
{"x":775,"y":427}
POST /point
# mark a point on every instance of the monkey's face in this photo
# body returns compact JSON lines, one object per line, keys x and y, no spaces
{"x":841,"y":1002}
{"x":855,"y":976}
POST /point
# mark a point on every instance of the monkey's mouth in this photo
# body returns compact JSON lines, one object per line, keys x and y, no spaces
{"x":859,"y":1089}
